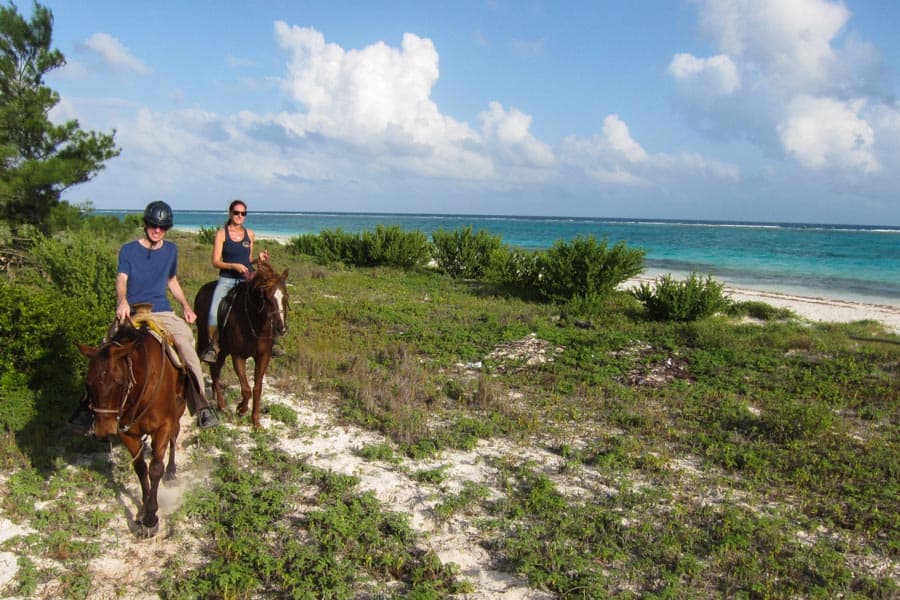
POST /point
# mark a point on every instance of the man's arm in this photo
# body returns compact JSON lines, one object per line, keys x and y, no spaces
{"x":123,"y":309}
{"x":178,"y":294}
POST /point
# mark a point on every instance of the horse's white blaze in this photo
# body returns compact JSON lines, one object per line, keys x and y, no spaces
{"x":279,"y":301}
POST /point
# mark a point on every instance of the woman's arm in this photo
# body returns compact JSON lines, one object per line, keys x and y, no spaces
{"x":263,"y":255}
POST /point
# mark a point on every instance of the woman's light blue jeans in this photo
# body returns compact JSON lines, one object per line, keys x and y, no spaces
{"x":222,"y":286}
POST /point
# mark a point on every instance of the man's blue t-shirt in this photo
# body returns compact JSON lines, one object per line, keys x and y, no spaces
{"x":149,"y":272}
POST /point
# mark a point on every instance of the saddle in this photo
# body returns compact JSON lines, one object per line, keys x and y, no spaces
{"x":142,"y":318}
{"x":225,"y":305}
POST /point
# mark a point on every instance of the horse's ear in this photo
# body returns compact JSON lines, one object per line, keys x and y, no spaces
{"x":285,"y":274}
{"x":117,"y":350}
{"x":88,"y":351}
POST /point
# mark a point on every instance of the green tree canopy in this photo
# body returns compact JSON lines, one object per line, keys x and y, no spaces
{"x":39,"y":159}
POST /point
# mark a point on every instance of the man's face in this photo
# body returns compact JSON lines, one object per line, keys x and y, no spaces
{"x":155,"y":233}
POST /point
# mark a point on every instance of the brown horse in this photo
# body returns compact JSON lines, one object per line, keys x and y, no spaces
{"x":134,"y":390}
{"x":251,"y":316}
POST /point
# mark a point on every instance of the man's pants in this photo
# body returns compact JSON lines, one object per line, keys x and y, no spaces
{"x":184,"y":343}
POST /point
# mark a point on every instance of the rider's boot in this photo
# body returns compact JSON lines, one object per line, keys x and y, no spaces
{"x":197,"y":404}
{"x":212,"y":350}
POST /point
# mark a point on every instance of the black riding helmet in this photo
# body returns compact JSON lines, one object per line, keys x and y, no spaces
{"x":158,"y":213}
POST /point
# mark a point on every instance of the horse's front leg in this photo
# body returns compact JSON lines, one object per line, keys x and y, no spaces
{"x":259,"y":373}
{"x":160,"y":444}
{"x":136,"y":448}
{"x":240,"y":367}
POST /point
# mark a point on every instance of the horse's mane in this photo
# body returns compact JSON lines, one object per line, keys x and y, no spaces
{"x":126,"y":333}
{"x":265,"y":277}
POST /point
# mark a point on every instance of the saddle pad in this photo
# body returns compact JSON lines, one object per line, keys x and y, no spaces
{"x":165,"y":338}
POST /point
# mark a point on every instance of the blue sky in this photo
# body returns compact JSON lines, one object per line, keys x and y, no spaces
{"x":764,"y":110}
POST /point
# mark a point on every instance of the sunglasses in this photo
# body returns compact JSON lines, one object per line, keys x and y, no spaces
{"x":239,"y":213}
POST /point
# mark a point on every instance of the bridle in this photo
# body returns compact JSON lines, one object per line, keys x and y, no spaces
{"x":128,"y":387}
{"x":270,"y":313}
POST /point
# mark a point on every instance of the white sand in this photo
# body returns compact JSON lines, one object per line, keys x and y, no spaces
{"x":832,"y":310}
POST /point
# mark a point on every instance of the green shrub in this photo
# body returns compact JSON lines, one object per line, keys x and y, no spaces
{"x":82,"y":218}
{"x":38,"y":354}
{"x":462,"y":253}
{"x":62,"y":293}
{"x":585,"y":269}
{"x":515,"y":270}
{"x":207,"y":235}
{"x":688,"y":300}
{"x":386,"y":246}
{"x":759,"y":310}
{"x":81,"y":267}
{"x":326,"y":247}
{"x":392,"y":247}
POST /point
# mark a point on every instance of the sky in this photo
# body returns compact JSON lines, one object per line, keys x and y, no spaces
{"x":738,"y":110}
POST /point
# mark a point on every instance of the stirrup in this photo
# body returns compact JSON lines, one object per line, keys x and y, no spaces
{"x":206,"y":418}
{"x":210,"y":355}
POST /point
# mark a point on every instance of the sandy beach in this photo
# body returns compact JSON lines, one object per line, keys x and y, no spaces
{"x":811,"y":308}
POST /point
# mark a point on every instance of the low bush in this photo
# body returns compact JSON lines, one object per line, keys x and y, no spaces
{"x":463,"y":254}
{"x":759,"y":310}
{"x":390,"y":246}
{"x":386,"y":246}
{"x":516,"y":271}
{"x":206,"y":235}
{"x":584,"y":271}
{"x":688,"y":300}
{"x":326,"y":247}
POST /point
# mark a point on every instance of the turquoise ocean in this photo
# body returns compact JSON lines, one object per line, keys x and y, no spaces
{"x":849,"y":262}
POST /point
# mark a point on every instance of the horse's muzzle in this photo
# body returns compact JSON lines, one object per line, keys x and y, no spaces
{"x":105,"y":428}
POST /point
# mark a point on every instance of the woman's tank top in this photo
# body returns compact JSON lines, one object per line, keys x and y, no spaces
{"x":236,"y":252}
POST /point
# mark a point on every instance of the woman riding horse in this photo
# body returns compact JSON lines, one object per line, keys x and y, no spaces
{"x":251,"y":317}
{"x":232,"y":255}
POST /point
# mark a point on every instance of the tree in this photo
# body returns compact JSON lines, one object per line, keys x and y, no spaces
{"x":39,"y":160}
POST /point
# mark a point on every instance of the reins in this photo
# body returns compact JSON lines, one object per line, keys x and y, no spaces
{"x":270,"y":319}
{"x":128,"y":389}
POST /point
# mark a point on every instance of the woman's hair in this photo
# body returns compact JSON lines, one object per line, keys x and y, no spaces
{"x":231,"y":208}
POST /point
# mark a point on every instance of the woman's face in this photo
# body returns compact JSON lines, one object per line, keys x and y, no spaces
{"x":238,"y":214}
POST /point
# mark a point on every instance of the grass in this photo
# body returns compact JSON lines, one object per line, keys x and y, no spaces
{"x":721,"y":457}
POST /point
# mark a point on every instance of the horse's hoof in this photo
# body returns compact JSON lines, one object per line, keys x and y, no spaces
{"x":146,"y":532}
{"x":242,"y":410}
{"x":169,"y":477}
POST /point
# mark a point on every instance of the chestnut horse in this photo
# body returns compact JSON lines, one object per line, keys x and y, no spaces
{"x":133,"y":390}
{"x":250,"y":317}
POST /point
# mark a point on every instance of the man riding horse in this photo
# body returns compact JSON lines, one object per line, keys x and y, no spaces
{"x":147,"y":268}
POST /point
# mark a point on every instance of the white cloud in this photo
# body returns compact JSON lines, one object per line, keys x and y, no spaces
{"x":378,"y":100}
{"x":357,"y":92}
{"x":508,"y":132}
{"x":823,"y":133}
{"x":614,"y":157}
{"x":713,"y":76}
{"x":619,"y":140}
{"x":114,"y":55}
{"x":788,"y":38}
{"x":784,"y":79}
